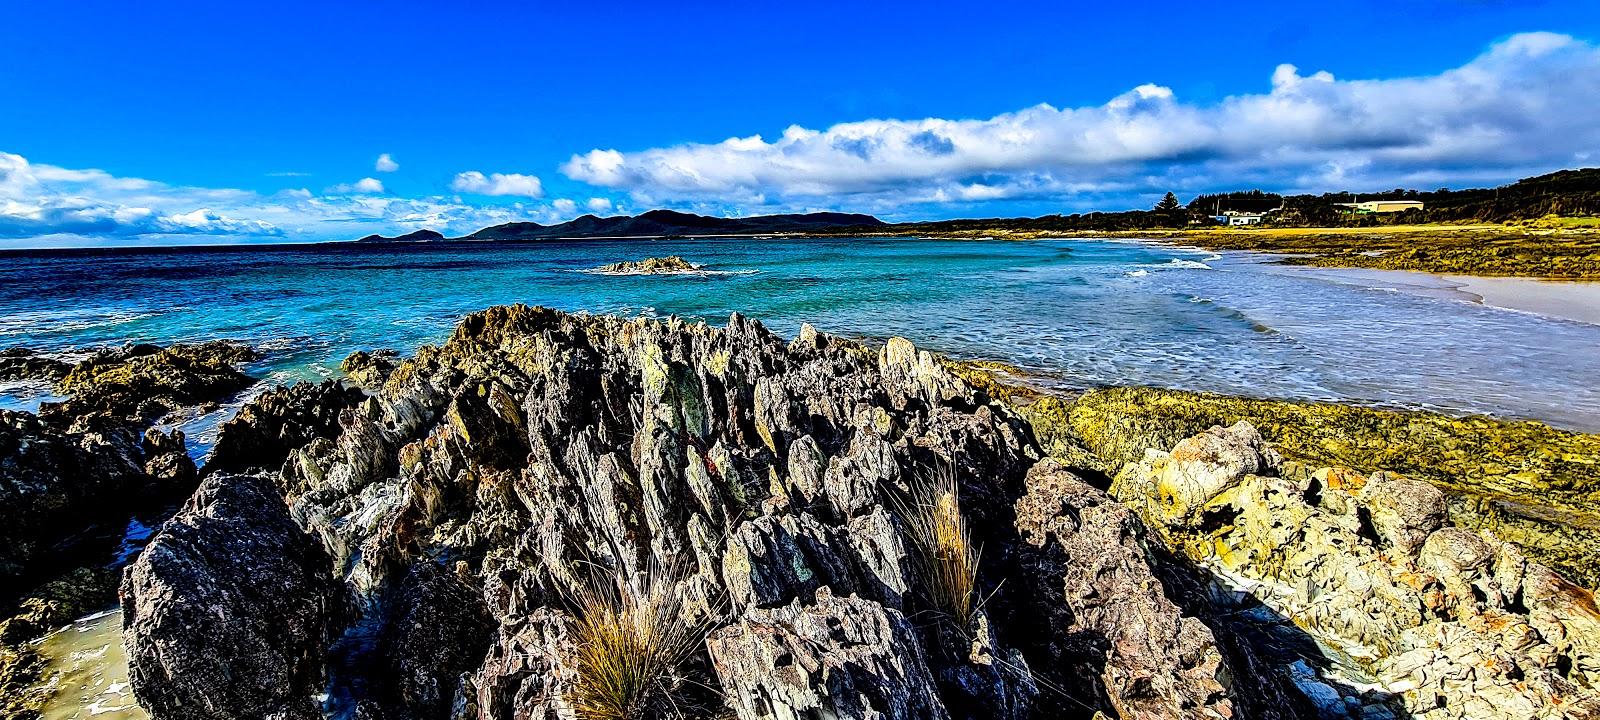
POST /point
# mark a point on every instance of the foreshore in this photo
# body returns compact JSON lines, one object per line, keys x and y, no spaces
{"x":1567,"y":252}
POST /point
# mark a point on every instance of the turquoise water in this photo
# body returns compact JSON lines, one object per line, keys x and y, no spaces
{"x":1079,"y":313}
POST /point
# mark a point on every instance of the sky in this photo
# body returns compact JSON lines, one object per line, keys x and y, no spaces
{"x":201,"y":123}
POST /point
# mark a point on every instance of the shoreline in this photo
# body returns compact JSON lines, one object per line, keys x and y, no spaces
{"x":1569,"y":300}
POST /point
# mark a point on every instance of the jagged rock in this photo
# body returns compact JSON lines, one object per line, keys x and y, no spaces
{"x":167,"y":464}
{"x":229,"y":608}
{"x":369,"y":370}
{"x":1458,"y":625}
{"x":670,"y":265}
{"x":54,"y":485}
{"x":535,"y":446}
{"x":1106,"y":611}
{"x":271,"y":425}
{"x":833,"y":658}
{"x":25,"y":364}
{"x":139,"y":383}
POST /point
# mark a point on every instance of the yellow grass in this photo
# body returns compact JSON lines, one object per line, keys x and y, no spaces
{"x":631,"y":639}
{"x":944,"y":554}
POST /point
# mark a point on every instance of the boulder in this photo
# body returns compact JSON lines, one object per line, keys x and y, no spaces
{"x":1104,"y":613}
{"x":227,"y":612}
{"x":832,"y":658}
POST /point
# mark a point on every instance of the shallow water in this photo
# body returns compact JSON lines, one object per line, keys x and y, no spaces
{"x":1078,"y":312}
{"x":89,"y":672}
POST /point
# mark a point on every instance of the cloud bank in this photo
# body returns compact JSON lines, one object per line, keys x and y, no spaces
{"x":46,"y":205}
{"x":512,"y":184}
{"x":1525,"y":105}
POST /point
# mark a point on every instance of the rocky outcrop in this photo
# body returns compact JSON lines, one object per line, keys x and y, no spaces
{"x":25,"y":364}
{"x":670,"y":265}
{"x":139,"y":383}
{"x":55,"y":484}
{"x":1433,"y":621}
{"x":227,"y":612}
{"x":500,"y":471}
{"x":1092,"y":582}
{"x":833,"y":658}
{"x":276,"y":422}
{"x":368,"y":370}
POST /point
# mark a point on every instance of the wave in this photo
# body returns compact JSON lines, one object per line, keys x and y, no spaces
{"x":1179,"y":263}
{"x":1137,"y":273}
{"x":48,"y":321}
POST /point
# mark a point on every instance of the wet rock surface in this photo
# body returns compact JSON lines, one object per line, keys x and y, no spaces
{"x":228,"y":610}
{"x":25,"y":364}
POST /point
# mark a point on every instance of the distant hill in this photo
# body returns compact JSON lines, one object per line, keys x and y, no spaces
{"x":656,"y":223}
{"x":418,"y":236}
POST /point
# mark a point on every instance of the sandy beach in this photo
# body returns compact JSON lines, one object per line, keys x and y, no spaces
{"x":1575,"y":300}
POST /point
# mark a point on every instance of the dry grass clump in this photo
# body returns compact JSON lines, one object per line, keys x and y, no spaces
{"x":944,"y":554}
{"x":631,"y":638}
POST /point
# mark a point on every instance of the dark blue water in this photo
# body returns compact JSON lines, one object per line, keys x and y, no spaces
{"x":1078,"y":312}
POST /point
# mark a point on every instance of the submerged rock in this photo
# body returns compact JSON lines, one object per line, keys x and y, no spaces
{"x":25,"y":364}
{"x":670,"y":265}
{"x":227,"y":612}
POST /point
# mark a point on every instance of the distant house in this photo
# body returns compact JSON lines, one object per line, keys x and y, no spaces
{"x":1234,"y":217}
{"x":1381,"y":206}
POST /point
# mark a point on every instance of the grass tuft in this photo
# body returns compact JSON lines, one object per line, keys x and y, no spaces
{"x":944,"y":554}
{"x":632,"y":638}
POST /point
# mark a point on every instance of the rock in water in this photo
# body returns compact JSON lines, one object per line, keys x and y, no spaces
{"x":227,"y":612}
{"x":670,"y":265}
{"x":1441,"y":621}
{"x":273,"y":424}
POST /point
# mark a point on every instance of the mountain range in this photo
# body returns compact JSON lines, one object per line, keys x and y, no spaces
{"x":655,"y":223}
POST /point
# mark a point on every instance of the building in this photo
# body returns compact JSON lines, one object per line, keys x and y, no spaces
{"x":1381,"y":206}
{"x":1234,"y":217}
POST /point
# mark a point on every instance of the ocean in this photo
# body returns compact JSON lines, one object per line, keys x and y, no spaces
{"x":1075,"y":313}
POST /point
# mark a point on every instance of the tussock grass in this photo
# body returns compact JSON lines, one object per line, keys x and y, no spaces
{"x":944,"y":555}
{"x":632,"y":638}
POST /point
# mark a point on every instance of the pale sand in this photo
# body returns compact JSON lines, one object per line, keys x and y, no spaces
{"x":1578,"y":301}
{"x":1573,"y":300}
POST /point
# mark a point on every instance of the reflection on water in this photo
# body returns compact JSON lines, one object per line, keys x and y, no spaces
{"x":88,"y":670}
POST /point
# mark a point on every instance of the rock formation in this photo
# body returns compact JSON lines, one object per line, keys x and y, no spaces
{"x":1438,"y":621}
{"x":467,"y":505}
{"x":229,"y":609}
{"x":670,"y":265}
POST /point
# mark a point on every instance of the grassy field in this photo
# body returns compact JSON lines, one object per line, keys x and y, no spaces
{"x":1564,"y":248}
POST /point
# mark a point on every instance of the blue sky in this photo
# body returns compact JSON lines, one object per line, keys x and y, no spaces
{"x":187,"y":122}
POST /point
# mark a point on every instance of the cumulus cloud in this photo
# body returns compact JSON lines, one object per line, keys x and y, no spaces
{"x":386,"y":164}
{"x":598,"y":204}
{"x":563,"y":206}
{"x":473,"y":181}
{"x":43,"y":199}
{"x":367,"y":186}
{"x":1525,"y":105}
{"x":44,"y":204}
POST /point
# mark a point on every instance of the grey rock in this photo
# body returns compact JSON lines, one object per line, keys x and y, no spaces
{"x":228,"y":610}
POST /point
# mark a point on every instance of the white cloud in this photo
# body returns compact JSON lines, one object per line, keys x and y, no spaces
{"x":473,"y":181}
{"x":386,"y":164}
{"x":46,"y":205}
{"x":1525,"y":105}
{"x":563,"y":206}
{"x":598,"y":204}
{"x":366,"y":186}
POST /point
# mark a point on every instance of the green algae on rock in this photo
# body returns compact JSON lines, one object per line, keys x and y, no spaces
{"x":1527,"y":482}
